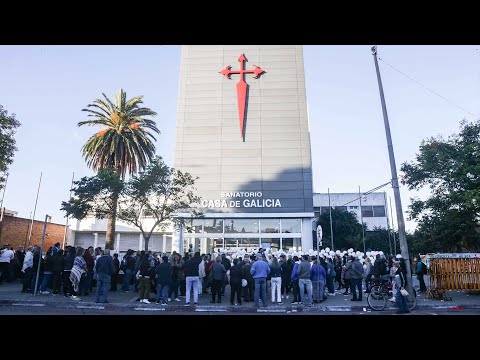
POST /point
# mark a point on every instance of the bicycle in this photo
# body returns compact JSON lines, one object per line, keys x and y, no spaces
{"x":377,"y":298}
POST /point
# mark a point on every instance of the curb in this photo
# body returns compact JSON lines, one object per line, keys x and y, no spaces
{"x":218,"y":308}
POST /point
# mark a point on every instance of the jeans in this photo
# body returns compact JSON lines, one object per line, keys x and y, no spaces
{"x":422,"y":282}
{"x":144,"y":288}
{"x":88,"y":281}
{"x":27,"y":279}
{"x":162,"y":293}
{"x":276,"y":284}
{"x":57,"y":281}
{"x":330,"y":285}
{"x":356,"y":283}
{"x":285,"y":287}
{"x":34,"y":279}
{"x":260,"y":291}
{"x":401,"y":302}
{"x":103,"y":286}
{"x":236,"y":288}
{"x":318,"y":290}
{"x":45,"y":279}
{"x":296,"y":291}
{"x":217,"y":290}
{"x":301,"y":284}
{"x":192,"y":280}
{"x":127,"y":277}
{"x":173,"y":288}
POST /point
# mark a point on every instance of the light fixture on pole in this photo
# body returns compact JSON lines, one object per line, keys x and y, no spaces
{"x":47,"y":219}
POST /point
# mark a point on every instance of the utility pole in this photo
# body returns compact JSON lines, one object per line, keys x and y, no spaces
{"x":393,"y":168}
{"x":388,"y":222}
{"x":66,"y":223}
{"x":393,"y":227}
{"x":34,"y":210}
{"x":47,"y":218}
{"x":331,"y":223}
{"x":361,"y":218}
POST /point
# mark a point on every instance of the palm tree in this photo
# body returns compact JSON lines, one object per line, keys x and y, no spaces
{"x":124,"y":145}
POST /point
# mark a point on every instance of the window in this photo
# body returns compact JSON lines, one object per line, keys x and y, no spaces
{"x":241,"y":226}
{"x":378,"y":211}
{"x":292,"y":243}
{"x":249,"y":243}
{"x":353,"y":207}
{"x":270,"y":226}
{"x":341,"y":208}
{"x":324,"y":210}
{"x":291,"y":226}
{"x":317,"y":214}
{"x":213,"y":226}
{"x":231,"y":243}
{"x":367,"y":211}
{"x":273,"y":244}
{"x":196,"y":226}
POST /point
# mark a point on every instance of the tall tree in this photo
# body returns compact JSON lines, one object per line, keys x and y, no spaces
{"x":347,"y":231}
{"x":150,"y":201}
{"x":448,"y":220}
{"x":124,"y":144}
{"x":8,"y":126}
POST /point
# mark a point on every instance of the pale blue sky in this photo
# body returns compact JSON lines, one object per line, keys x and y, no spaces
{"x":47,"y":86}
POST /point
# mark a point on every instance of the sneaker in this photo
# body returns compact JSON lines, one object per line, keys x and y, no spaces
{"x":331,"y":294}
{"x":392,"y":299}
{"x":169,"y":299}
{"x":177,"y":299}
{"x":157,"y":302}
{"x":44,"y":292}
{"x":145,"y":301}
{"x":164,"y":303}
{"x":187,"y":304}
{"x":279,"y":303}
{"x":195,"y":304}
{"x":310,"y":305}
{"x":287,"y":296}
{"x":76,"y":298}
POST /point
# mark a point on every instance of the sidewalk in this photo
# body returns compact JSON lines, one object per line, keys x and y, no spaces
{"x":10,"y":294}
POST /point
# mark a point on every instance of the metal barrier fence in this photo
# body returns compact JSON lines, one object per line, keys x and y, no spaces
{"x":454,"y":272}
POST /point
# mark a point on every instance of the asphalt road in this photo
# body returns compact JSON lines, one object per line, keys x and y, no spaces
{"x":43,"y":310}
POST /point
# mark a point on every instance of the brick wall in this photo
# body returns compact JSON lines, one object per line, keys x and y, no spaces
{"x":15,"y":232}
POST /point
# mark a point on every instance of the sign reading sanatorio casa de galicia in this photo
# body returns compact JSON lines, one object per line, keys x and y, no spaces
{"x":249,"y":202}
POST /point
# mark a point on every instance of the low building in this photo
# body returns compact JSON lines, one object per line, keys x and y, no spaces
{"x":374,"y":209}
{"x":15,"y":231}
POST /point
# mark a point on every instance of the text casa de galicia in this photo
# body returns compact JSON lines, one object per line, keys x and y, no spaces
{"x":248,"y":202}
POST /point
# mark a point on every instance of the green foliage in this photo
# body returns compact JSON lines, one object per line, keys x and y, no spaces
{"x":125,"y":144}
{"x":347,"y":231}
{"x":159,"y":193}
{"x":8,"y":126}
{"x":93,"y":195}
{"x":448,"y":219}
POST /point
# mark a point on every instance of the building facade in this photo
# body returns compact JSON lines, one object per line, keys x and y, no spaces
{"x":242,"y":129}
{"x":373,"y":206}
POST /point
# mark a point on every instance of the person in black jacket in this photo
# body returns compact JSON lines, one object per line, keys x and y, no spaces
{"x":164,"y":272}
{"x":227,"y":264}
{"x":247,"y":290}
{"x":67,"y":269}
{"x":36,"y":258}
{"x":236,"y":282}
{"x":145,"y":280}
{"x":116,"y":270}
{"x":57,"y":269}
{"x":287,"y":267}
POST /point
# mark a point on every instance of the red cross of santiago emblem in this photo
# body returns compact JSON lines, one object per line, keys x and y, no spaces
{"x":242,"y":88}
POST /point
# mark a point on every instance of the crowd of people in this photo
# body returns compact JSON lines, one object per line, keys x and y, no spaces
{"x":308,"y":278}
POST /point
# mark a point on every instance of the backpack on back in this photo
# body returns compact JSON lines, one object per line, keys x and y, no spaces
{"x":424,"y":269}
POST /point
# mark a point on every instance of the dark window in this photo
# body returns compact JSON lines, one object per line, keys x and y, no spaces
{"x":341,"y":208}
{"x":325,"y":210}
{"x":379,"y":211}
{"x":367,"y":211}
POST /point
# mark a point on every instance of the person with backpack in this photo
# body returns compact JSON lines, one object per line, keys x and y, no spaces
{"x":420,"y":271}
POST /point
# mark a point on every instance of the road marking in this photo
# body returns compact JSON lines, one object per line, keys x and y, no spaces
{"x":90,"y":307}
{"x":210,"y":309}
{"x":338,"y":308}
{"x":271,"y":310}
{"x":19,"y":304}
{"x":149,"y":309}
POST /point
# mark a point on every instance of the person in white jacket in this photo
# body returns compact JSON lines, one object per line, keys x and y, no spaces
{"x":27,"y":269}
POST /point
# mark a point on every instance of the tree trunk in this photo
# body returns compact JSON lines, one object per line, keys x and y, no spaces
{"x":146,"y":241}
{"x":110,"y":236}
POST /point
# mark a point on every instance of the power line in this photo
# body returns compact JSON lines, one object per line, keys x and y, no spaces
{"x":426,"y":88}
{"x":368,"y":192}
